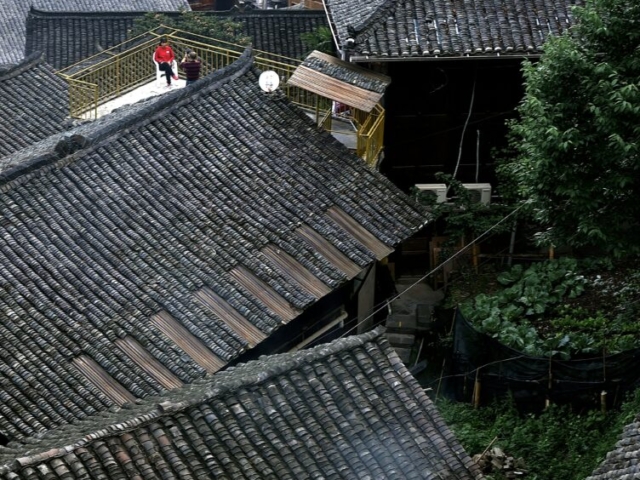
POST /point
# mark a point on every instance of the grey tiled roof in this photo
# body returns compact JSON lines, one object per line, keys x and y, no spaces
{"x":277,"y":31}
{"x":445,"y":28}
{"x":34,"y":104}
{"x":349,"y":409}
{"x":12,"y":30}
{"x":70,"y":38}
{"x":115,"y":234}
{"x":110,"y":5}
{"x":344,"y":74}
{"x":622,"y":463}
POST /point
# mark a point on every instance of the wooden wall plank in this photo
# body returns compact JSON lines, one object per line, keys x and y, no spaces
{"x":188,"y":342}
{"x":290,"y":267}
{"x":357,"y":231}
{"x":267,"y":295}
{"x":102,"y":380}
{"x":148,"y":363}
{"x":328,"y":251}
{"x":226,"y":313}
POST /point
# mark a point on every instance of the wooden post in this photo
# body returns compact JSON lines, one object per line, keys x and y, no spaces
{"x":547,"y":401}
{"x":551,"y":253}
{"x":475,"y":251}
{"x":476,"y":390}
{"x":440,"y":379}
{"x":603,"y":401}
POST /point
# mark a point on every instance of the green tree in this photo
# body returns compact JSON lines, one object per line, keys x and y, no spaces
{"x":220,"y":28}
{"x":577,"y":138}
{"x":319,"y":39}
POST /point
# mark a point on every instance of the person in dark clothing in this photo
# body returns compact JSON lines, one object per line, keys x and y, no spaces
{"x":191,"y":66}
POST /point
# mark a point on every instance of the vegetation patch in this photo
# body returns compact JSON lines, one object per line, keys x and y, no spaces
{"x":558,"y":444}
{"x":559,"y":307}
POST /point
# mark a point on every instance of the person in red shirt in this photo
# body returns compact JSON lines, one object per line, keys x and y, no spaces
{"x":164,"y":56}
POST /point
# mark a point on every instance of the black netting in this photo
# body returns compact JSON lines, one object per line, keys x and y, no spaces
{"x":501,"y":370}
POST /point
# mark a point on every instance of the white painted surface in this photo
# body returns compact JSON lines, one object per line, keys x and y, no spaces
{"x":141,"y":93}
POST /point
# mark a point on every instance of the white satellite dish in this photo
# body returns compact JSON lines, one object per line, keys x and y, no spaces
{"x":269,"y":81}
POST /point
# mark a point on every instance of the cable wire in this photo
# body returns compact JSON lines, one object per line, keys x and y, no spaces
{"x":466,"y":123}
{"x":427,"y":275}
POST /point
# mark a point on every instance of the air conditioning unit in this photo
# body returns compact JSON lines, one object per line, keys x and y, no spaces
{"x":480,"y":192}
{"x":437,"y":190}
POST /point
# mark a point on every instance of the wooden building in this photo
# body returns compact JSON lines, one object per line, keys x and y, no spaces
{"x":455,"y":68}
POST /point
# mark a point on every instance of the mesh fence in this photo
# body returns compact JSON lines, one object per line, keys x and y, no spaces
{"x":491,"y":369}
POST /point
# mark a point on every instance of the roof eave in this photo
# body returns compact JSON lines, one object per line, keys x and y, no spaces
{"x":422,"y":58}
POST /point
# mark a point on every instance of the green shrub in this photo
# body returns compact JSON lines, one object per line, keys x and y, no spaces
{"x":508,"y":314}
{"x":220,"y":28}
{"x":558,"y":444}
{"x":539,"y":310}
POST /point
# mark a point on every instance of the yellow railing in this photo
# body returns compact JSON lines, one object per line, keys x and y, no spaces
{"x":370,"y":134}
{"x":325,"y":121}
{"x":123,"y":68}
{"x":129,"y":65}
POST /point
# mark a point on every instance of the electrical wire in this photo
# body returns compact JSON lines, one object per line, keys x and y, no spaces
{"x":385,"y":304}
{"x":466,"y":123}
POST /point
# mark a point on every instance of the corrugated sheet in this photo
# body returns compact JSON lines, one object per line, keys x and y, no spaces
{"x":295,"y":270}
{"x":148,"y":362}
{"x":328,"y":251}
{"x":360,"y":233}
{"x":346,"y":89}
{"x":231,"y":317}
{"x":102,"y":380}
{"x":193,"y":347}
{"x":265,"y":294}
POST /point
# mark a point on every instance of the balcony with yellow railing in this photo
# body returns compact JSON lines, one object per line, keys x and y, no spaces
{"x":126,"y":67}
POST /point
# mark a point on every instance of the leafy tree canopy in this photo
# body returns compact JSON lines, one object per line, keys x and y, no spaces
{"x":319,"y":39}
{"x":577,"y":139}
{"x":220,"y":28}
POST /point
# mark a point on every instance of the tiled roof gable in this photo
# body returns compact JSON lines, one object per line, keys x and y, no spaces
{"x":110,"y":5}
{"x":13,"y":14}
{"x":12,"y":30}
{"x":623,"y":462}
{"x":112,"y":237}
{"x":443,"y":28}
{"x":34,"y":104}
{"x":70,"y":37}
{"x":349,"y":409}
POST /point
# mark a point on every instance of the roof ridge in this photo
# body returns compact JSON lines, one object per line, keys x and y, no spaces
{"x":383,"y":9}
{"x":150,"y":409}
{"x":37,"y":12}
{"x":13,"y":70}
{"x":102,"y":132}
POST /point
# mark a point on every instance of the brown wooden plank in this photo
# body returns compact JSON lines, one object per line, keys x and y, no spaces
{"x":148,"y":363}
{"x":329,"y":87}
{"x":329,"y":251}
{"x":102,"y":380}
{"x":263,"y":292}
{"x":290,"y":267}
{"x":357,"y":231}
{"x":229,"y":315}
{"x":188,"y":342}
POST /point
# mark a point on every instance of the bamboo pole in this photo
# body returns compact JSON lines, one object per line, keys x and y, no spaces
{"x":440,"y":379}
{"x":476,"y":390}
